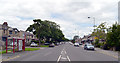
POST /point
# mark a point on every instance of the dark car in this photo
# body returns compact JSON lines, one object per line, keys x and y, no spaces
{"x":51,"y":45}
{"x":56,"y":44}
{"x":80,"y":44}
{"x":76,"y":44}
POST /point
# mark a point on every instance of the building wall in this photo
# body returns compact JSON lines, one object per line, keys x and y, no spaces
{"x":1,"y":32}
{"x":5,"y":32}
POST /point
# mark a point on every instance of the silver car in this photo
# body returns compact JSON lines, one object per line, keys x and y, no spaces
{"x":89,"y":47}
{"x":33,"y":44}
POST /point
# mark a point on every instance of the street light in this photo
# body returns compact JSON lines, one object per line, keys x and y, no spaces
{"x":94,"y":21}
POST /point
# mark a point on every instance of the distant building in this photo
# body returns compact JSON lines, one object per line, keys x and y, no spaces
{"x":76,"y":38}
{"x":88,"y":39}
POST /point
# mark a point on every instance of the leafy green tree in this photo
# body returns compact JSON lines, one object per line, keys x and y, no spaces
{"x":113,"y":36}
{"x":46,"y":30}
{"x":100,"y":31}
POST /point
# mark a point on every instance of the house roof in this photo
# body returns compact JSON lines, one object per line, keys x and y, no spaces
{"x":28,"y":33}
{"x":15,"y":29}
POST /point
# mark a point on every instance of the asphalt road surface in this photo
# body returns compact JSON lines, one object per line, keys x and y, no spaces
{"x":64,"y":52}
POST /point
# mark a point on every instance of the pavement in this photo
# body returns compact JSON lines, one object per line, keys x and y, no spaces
{"x":64,"y":52}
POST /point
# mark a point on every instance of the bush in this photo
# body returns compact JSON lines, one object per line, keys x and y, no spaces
{"x":35,"y":41}
{"x":97,"y":43}
{"x":106,"y":47}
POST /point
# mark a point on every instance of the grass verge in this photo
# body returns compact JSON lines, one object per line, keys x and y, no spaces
{"x":44,"y":45}
{"x":26,"y":49}
{"x":4,"y":51}
{"x":31,"y":49}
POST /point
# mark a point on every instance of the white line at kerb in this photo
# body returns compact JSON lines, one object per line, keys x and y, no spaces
{"x":68,"y":58}
{"x":59,"y":58}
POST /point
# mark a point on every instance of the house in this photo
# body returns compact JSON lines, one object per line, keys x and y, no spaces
{"x":9,"y":32}
{"x":4,"y":31}
{"x":2,"y":45}
{"x":88,"y":38}
{"x":28,"y":37}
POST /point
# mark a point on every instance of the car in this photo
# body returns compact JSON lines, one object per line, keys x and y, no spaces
{"x":33,"y":44}
{"x":89,"y":47}
{"x":52,"y":45}
{"x":57,"y":44}
{"x":76,"y":44}
{"x":80,"y":44}
{"x":70,"y":43}
{"x":47,"y":44}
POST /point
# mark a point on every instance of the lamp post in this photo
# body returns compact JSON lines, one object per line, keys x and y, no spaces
{"x":94,"y":21}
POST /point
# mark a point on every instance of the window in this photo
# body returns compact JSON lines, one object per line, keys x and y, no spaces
{"x":10,"y":32}
{"x":15,"y":32}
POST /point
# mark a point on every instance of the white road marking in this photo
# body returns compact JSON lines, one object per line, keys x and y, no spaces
{"x":63,"y":58}
{"x":65,"y":52}
{"x":68,"y":58}
{"x":61,"y":52}
{"x":59,"y":58}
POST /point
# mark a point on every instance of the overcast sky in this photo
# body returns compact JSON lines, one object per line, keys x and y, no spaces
{"x":71,"y":15}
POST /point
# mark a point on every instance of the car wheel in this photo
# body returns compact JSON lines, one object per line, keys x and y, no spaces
{"x":84,"y":48}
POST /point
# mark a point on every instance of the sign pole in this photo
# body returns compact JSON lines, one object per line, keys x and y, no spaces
{"x":6,"y":45}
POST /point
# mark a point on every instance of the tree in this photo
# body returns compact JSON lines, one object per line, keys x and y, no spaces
{"x":46,"y":30}
{"x":100,"y":31}
{"x":113,"y":36}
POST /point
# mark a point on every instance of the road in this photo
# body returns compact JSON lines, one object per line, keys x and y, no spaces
{"x":64,"y":52}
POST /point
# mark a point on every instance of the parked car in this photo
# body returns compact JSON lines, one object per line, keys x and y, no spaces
{"x":76,"y":44}
{"x":52,"y":45}
{"x":80,"y":43}
{"x":47,"y":44}
{"x":70,"y":43}
{"x":56,"y":44}
{"x":89,"y":47}
{"x":33,"y":44}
